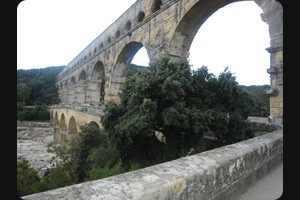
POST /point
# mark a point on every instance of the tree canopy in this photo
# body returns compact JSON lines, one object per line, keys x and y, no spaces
{"x":169,"y":101}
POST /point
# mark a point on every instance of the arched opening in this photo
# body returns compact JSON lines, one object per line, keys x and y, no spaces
{"x":72,"y":91}
{"x":81,"y":88}
{"x":156,"y":5}
{"x":128,"y":26}
{"x":56,"y":128}
{"x":56,"y":122}
{"x":141,"y":16}
{"x":62,"y":129}
{"x":237,"y":42}
{"x":271,"y":12}
{"x":96,"y":91}
{"x":120,"y":70}
{"x":72,"y":128}
{"x":93,"y":124}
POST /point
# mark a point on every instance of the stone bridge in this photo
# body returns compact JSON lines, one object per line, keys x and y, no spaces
{"x":97,"y":73}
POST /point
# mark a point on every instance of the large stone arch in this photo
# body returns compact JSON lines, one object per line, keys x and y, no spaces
{"x":81,"y":88}
{"x":196,"y":14}
{"x":120,"y":69}
{"x":96,"y":86}
{"x":72,"y":128}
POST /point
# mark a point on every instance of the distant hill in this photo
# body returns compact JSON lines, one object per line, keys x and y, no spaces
{"x":37,"y":86}
{"x":260,"y":97}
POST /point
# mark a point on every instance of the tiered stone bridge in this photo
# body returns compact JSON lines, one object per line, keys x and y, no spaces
{"x":97,"y":73}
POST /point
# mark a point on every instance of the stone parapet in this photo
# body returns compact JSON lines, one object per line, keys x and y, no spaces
{"x":222,"y":173}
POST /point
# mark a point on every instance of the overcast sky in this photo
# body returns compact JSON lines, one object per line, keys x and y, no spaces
{"x":53,"y":32}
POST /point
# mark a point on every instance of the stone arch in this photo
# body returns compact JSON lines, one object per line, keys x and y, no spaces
{"x":156,"y":5}
{"x":73,"y":80}
{"x":81,"y":88}
{"x":56,"y":128}
{"x":93,"y":123}
{"x":197,"y":14}
{"x":120,"y":70}
{"x":72,"y":130}
{"x":140,"y":16}
{"x":56,"y":119}
{"x":96,"y":87}
{"x":82,"y":77}
{"x":117,"y":35}
{"x":62,"y":129}
{"x":128,"y":25}
{"x":51,"y":115}
{"x":72,"y":91}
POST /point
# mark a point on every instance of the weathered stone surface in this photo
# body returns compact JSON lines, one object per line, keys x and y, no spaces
{"x":221,"y":173}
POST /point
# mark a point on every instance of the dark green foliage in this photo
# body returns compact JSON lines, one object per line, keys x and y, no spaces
{"x":27,"y":179}
{"x":29,"y":183}
{"x":56,"y":178}
{"x":37,"y":113}
{"x":91,"y":149}
{"x":103,"y":172}
{"x":37,"y":86}
{"x":261,"y":106}
{"x":134,"y":69}
{"x":183,"y":105}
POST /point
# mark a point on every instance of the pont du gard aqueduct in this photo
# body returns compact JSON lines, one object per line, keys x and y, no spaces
{"x":96,"y":74}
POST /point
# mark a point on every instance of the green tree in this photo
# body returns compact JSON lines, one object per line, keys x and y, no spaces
{"x":23,"y":92}
{"x":86,"y":151}
{"x":27,"y":179}
{"x":181,"y":105}
{"x":56,"y":178}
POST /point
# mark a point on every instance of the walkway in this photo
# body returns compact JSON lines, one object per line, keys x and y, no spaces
{"x":268,"y":188}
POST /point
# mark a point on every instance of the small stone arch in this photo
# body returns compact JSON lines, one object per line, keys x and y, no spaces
{"x":93,"y":123}
{"x":156,"y":5}
{"x":62,"y":129}
{"x":72,"y":130}
{"x":82,"y":77}
{"x":81,"y":88}
{"x":73,"y":80}
{"x":140,"y":16}
{"x":51,"y":114}
{"x":56,"y":128}
{"x":128,"y":26}
{"x":56,"y":121}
